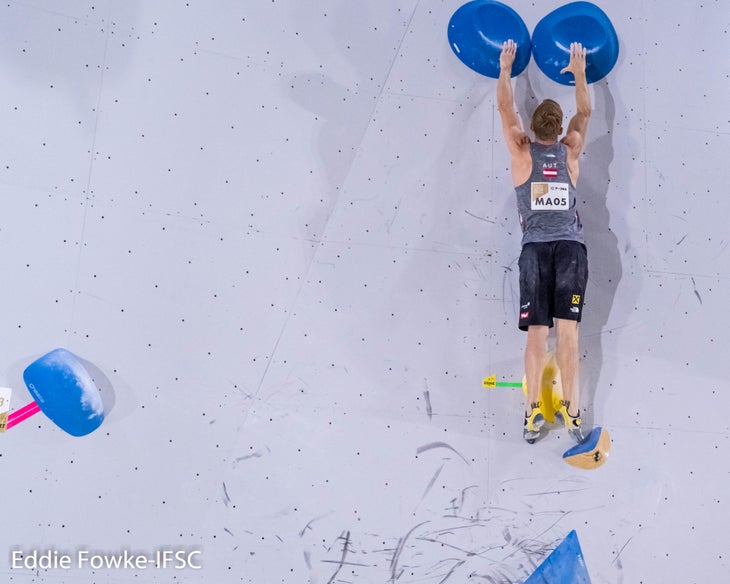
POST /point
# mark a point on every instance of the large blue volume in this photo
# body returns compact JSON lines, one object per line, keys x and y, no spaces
{"x":565,"y":565}
{"x":580,"y":22}
{"x":478,"y":30}
{"x":65,"y":392}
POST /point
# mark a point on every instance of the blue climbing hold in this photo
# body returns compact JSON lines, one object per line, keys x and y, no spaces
{"x":580,"y":22}
{"x":65,"y":392}
{"x":477,"y":32}
{"x":592,"y":452}
{"x":565,"y":565}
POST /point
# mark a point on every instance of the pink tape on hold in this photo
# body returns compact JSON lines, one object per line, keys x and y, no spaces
{"x":22,"y":414}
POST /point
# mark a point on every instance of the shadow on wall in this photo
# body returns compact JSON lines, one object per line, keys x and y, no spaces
{"x":604,"y":258}
{"x":106,"y":389}
{"x":343,"y":106}
{"x":339,"y":110}
{"x":611,"y":252}
{"x":64,"y":49}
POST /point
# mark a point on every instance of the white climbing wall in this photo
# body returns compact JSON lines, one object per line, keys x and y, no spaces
{"x":285,"y":235}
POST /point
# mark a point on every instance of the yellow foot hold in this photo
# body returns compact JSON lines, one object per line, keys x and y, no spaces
{"x":551,"y":388}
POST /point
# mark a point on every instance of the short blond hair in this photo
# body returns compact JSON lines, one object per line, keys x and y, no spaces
{"x":547,"y":121}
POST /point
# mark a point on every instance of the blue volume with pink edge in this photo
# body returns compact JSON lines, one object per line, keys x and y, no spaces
{"x":65,"y":391}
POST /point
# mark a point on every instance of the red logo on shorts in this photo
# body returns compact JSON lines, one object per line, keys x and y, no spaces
{"x":524,"y":315}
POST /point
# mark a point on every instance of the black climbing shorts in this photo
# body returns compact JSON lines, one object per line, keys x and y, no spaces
{"x":553,"y":278}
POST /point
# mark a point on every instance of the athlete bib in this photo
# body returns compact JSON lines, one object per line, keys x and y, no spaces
{"x":550,"y":196}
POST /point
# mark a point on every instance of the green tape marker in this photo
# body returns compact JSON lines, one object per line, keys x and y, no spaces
{"x":491,"y":382}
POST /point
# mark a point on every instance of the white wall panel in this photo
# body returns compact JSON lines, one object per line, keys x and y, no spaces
{"x":284,"y":237}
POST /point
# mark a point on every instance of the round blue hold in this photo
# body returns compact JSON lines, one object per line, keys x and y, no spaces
{"x":580,"y":22}
{"x":477,"y":32}
{"x":65,"y":392}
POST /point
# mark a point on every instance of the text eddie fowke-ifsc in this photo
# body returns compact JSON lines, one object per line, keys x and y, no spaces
{"x":160,"y":559}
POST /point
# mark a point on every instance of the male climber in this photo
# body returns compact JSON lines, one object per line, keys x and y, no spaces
{"x":553,"y":262}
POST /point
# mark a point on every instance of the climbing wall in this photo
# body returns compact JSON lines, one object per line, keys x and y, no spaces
{"x":284,"y":236}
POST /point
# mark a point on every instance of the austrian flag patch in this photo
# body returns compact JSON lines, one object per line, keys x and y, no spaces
{"x":550,"y":170}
